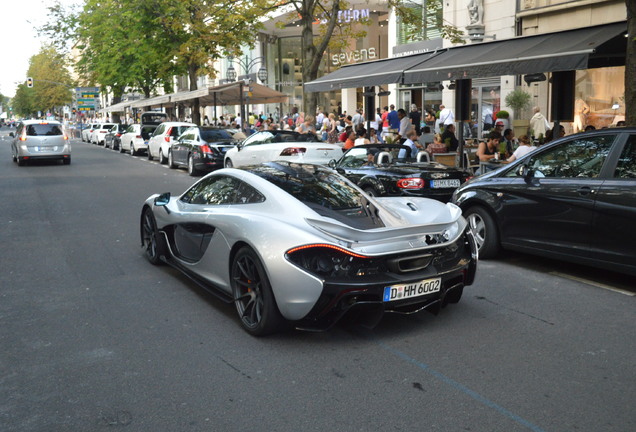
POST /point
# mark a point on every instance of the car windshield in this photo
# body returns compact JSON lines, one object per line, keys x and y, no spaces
{"x":324,"y":191}
{"x":42,"y":129}
{"x":211,"y":135}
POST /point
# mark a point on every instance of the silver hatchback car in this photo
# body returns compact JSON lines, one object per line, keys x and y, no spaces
{"x":40,"y":139}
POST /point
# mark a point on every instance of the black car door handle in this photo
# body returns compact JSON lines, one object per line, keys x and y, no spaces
{"x":585,"y":190}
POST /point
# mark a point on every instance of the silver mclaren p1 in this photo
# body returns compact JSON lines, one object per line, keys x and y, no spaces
{"x":300,"y":243}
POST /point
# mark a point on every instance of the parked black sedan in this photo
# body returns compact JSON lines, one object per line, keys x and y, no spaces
{"x":379,"y":170}
{"x":201,"y":149}
{"x":112,"y":139}
{"x":574,"y":200}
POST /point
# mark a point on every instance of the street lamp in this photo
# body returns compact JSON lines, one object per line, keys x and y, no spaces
{"x":247,"y":66}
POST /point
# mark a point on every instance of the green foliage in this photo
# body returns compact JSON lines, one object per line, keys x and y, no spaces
{"x":503,"y":114}
{"x":52,"y":84}
{"x":518,"y":99}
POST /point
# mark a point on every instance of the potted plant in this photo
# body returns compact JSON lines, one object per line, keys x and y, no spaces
{"x":519,"y":100}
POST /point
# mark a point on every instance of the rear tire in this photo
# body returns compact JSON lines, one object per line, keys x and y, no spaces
{"x":253,"y":296}
{"x":171,"y":164}
{"x":162,"y":158}
{"x":485,"y":231}
{"x":191,"y":168}
{"x":228,"y":163}
{"x":21,"y":162}
{"x":149,"y":155}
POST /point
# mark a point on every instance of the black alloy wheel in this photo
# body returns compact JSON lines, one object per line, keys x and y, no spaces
{"x":150,"y":237}
{"x":253,"y":295}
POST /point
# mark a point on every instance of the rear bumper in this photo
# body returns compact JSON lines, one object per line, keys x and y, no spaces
{"x":454,"y":266}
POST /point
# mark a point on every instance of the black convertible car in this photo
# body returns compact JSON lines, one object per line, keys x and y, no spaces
{"x":379,"y":170}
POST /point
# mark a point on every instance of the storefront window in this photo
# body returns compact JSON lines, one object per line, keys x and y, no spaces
{"x":430,"y":25}
{"x":599,"y":98}
{"x":289,"y":77}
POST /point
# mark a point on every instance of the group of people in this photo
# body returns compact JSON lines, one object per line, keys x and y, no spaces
{"x":350,"y":130}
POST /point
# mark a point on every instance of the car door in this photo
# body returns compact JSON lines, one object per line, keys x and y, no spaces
{"x":254,"y":149}
{"x":198,"y":239}
{"x":155,"y":140}
{"x":613,"y":234}
{"x":552,"y":208}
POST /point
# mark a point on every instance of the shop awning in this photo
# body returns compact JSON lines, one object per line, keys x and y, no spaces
{"x":373,"y":73}
{"x":584,"y":48}
{"x":230,"y":94}
{"x":157,"y":101}
{"x":116,"y":108}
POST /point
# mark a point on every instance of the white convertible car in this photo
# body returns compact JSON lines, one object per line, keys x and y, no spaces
{"x":281,"y":145}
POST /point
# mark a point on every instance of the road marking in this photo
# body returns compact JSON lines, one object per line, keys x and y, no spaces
{"x":460,"y":387}
{"x":592,"y":283}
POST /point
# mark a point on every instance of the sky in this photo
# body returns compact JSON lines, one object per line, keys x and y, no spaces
{"x":19,"y":38}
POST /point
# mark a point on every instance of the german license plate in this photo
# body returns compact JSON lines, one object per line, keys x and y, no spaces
{"x":415,"y":289}
{"x":446,"y":183}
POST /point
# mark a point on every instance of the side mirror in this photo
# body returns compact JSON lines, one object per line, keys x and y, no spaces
{"x":162,"y":199}
{"x":239,"y":146}
{"x":525,"y":171}
{"x":11,"y":134}
{"x":332,"y":164}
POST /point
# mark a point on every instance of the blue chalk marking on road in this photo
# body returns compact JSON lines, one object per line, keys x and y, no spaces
{"x":462,"y":388}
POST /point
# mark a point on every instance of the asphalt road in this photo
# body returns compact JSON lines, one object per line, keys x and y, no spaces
{"x":94,"y":338}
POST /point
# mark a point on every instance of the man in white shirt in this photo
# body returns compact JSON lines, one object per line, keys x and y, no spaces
{"x":446,"y":116}
{"x":357,"y":119}
{"x":405,"y":124}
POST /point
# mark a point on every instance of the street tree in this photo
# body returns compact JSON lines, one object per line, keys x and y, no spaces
{"x":205,"y":31}
{"x":23,"y":101}
{"x":52,"y":83}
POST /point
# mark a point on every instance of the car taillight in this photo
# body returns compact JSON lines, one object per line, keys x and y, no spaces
{"x":168,"y":135}
{"x":328,"y":260}
{"x":103,"y":131}
{"x":23,"y":137}
{"x":410,"y":183}
{"x":206,"y":149}
{"x":291,"y":151}
{"x":138,"y":136}
{"x":117,"y":134}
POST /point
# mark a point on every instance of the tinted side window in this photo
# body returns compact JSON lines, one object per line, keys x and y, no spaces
{"x":160,"y":129}
{"x":626,"y":167}
{"x":213,"y":191}
{"x":583,"y":157}
{"x":246,"y":194}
